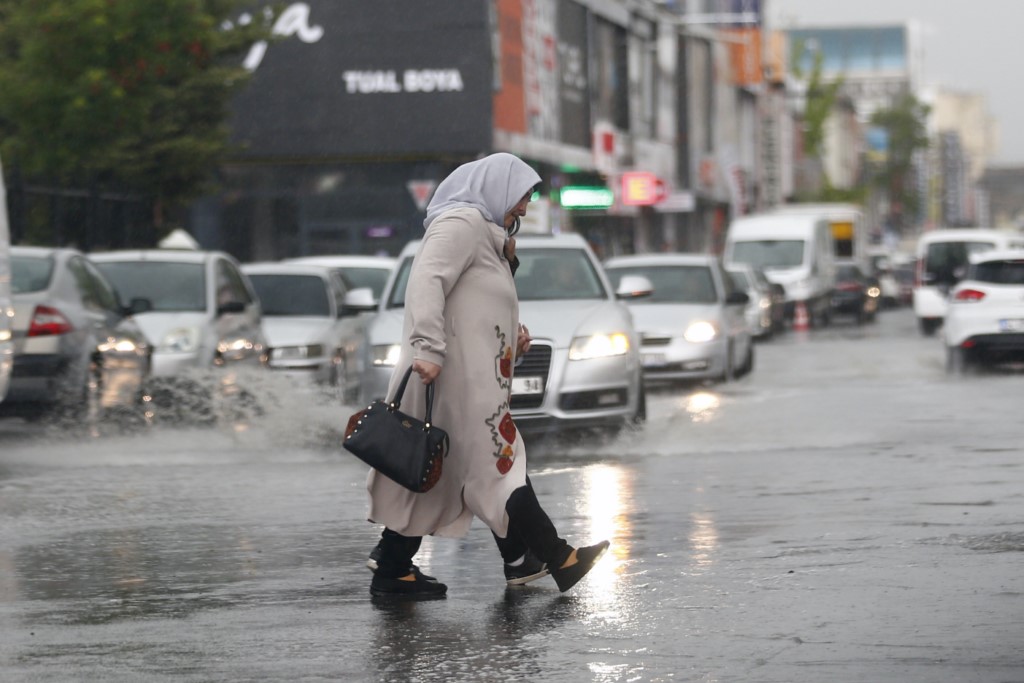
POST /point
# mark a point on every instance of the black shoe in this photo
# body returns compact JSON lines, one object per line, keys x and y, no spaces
{"x":586,"y":558}
{"x":414,"y":586}
{"x":530,"y":569}
{"x":371,"y":564}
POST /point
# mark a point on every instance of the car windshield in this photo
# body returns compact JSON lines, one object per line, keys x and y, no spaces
{"x":30,"y":273}
{"x":374,"y":278}
{"x":543,"y":275}
{"x":550,"y":274}
{"x":999,"y":272}
{"x":769,"y":254}
{"x":292,"y":295}
{"x":847,"y":273}
{"x":672,"y":284}
{"x":943,"y":259}
{"x":169,"y":286}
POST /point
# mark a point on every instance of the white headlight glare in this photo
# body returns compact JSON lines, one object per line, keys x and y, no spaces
{"x":181,"y":340}
{"x":386,"y":355}
{"x":700,"y":332}
{"x":599,"y":346}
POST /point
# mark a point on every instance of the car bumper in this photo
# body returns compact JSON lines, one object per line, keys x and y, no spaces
{"x":848,"y":303}
{"x":36,"y":378}
{"x":682,"y":360}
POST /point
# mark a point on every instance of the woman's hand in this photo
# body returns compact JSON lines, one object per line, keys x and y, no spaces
{"x":523,"y":340}
{"x":427,"y":371}
{"x":510,"y":249}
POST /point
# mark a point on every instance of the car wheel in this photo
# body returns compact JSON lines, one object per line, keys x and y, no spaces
{"x":956,"y":360}
{"x":729,"y":373}
{"x":748,"y":362}
{"x":640,"y":416}
{"x":927,"y":326}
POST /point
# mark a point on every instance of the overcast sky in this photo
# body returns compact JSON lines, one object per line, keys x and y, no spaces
{"x":972,"y":45}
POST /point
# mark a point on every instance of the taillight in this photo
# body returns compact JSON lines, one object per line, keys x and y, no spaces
{"x":969,"y":295}
{"x":848,"y":287}
{"x":47,"y":321}
{"x":919,"y":273}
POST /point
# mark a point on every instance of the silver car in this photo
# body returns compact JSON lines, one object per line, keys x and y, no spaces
{"x":357,"y":271}
{"x":314,"y":323}
{"x":200,"y":312}
{"x":77,"y":350}
{"x":759,"y":315}
{"x":583,"y":368}
{"x":693,"y":324}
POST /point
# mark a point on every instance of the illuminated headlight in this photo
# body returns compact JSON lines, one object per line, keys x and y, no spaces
{"x":181,"y":340}
{"x":599,"y":346}
{"x":874,"y":292}
{"x":700,"y":332}
{"x":386,"y":355}
{"x":117,"y":345}
{"x":764,"y":302}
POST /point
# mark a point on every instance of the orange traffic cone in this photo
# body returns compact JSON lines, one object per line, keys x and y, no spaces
{"x":801,"y":321}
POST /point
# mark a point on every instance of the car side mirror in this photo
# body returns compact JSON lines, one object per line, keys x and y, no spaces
{"x":634,"y":287}
{"x":358,"y":300}
{"x":737,"y":299}
{"x":231,"y":307}
{"x":138,"y":305}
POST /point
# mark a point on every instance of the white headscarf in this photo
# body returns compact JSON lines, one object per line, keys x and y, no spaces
{"x":492,"y":185}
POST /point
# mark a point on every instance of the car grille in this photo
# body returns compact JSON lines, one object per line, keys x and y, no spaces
{"x":655,"y":340}
{"x":536,"y":363}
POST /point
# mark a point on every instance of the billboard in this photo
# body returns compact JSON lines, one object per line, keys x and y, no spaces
{"x":369,"y":77}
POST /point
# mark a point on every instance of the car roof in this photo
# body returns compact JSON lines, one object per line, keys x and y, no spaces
{"x":342,"y":260}
{"x":278,"y":268}
{"x":964,"y":235}
{"x":43,"y":252}
{"x":567,"y":240}
{"x":661,"y":260}
{"x":177,"y":255}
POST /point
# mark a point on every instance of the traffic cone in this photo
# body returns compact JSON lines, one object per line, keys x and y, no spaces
{"x":801,"y":321}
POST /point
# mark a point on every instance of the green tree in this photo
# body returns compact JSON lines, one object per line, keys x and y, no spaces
{"x":905,"y":126}
{"x":130,"y":95}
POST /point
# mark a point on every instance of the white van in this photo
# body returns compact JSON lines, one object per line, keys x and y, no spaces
{"x":942,"y":258}
{"x":794,"y":250}
{"x":6,"y":305}
{"x":848,"y":225}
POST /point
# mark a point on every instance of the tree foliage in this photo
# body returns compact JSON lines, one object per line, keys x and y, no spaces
{"x":905,"y":126}
{"x":126,"y":94}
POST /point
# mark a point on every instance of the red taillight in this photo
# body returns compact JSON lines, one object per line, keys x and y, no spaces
{"x":969,"y":295}
{"x":48,"y":321}
{"x":848,"y":287}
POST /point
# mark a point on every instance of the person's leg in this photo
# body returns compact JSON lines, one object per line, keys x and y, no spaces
{"x":521,"y":566}
{"x":529,"y":523}
{"x":396,"y":575}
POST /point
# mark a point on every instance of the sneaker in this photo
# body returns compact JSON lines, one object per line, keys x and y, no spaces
{"x":530,"y":569}
{"x":413,"y":586}
{"x":586,"y":558}
{"x":371,"y":564}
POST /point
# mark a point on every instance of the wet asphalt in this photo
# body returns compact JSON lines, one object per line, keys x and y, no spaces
{"x":846,"y":513}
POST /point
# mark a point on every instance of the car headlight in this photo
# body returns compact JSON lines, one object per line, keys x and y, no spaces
{"x":599,"y":346}
{"x":700,"y":332}
{"x":764,"y":302}
{"x":386,"y":355}
{"x":181,"y":340}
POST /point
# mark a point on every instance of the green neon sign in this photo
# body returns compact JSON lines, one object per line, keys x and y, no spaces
{"x":586,"y":197}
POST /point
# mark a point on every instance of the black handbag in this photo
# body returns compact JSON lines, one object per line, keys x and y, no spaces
{"x":406,"y":450}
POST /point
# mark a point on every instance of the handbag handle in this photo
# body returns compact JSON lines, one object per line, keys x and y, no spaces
{"x":397,"y":402}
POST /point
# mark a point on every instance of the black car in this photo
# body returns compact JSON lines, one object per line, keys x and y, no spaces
{"x":855,"y":293}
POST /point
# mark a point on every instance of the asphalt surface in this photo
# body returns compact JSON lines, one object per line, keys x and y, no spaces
{"x":846,"y":513}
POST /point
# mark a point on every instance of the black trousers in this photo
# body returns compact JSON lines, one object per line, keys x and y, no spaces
{"x":529,"y":528}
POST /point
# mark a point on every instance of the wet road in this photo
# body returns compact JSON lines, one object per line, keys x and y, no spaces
{"x":846,"y":513}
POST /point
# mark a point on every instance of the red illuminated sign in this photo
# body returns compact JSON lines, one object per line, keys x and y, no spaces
{"x":640,"y":188}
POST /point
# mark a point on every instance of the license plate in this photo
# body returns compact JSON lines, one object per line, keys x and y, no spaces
{"x":527,"y":385}
{"x":650,"y":359}
{"x":1012,"y":325}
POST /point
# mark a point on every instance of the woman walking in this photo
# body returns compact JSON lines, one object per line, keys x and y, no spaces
{"x":462,"y":333}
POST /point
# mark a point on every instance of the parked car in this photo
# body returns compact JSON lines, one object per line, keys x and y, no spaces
{"x":985,"y":318}
{"x":583,"y":367}
{"x":77,"y":350}
{"x":759,"y":311}
{"x":942,"y":259}
{"x":357,"y":271}
{"x":200,"y":312}
{"x":693,"y":324}
{"x":315,"y":325}
{"x":856,"y":294}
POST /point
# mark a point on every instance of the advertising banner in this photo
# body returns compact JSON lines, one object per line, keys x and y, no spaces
{"x":369,"y":77}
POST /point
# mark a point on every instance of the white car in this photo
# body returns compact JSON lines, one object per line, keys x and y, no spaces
{"x":314,"y":323}
{"x":583,"y":367}
{"x":357,"y":271}
{"x":758,"y":311}
{"x":692,"y":326}
{"x":985,"y":316}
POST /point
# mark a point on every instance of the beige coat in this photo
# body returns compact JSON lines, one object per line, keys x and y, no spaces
{"x":461,"y":312}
